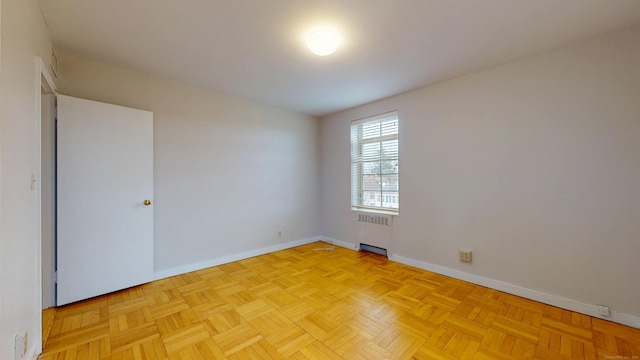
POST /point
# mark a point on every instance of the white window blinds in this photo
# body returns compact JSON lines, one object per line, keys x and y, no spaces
{"x":374,"y":163}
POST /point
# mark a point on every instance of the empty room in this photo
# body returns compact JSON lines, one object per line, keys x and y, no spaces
{"x":338,"y":179}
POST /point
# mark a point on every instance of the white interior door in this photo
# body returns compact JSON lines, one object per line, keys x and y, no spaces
{"x":104,"y":176}
{"x":47,"y":186}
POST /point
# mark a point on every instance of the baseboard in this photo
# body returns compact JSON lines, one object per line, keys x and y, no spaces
{"x":161,"y":274}
{"x":340,"y":243}
{"x":33,"y":352}
{"x":554,"y":300}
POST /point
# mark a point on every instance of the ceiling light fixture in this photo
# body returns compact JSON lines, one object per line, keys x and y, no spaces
{"x":323,"y":42}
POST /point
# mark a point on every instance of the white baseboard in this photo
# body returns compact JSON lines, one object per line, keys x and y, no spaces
{"x":340,"y":243}
{"x":32,"y":354}
{"x":161,"y":274}
{"x":554,"y":300}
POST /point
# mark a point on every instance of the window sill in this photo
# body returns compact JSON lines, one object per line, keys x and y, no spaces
{"x":374,"y":211}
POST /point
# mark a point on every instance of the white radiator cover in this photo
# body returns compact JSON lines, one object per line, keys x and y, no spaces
{"x":374,"y":229}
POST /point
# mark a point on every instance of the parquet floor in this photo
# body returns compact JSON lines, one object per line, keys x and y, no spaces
{"x":305,"y":304}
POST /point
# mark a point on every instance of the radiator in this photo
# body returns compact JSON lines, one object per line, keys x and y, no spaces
{"x":374,"y":229}
{"x":384,"y":220}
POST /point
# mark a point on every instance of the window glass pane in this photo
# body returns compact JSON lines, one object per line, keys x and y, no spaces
{"x":370,"y":130}
{"x":390,"y":199}
{"x":389,"y":182}
{"x":371,"y":167}
{"x":372,"y":198}
{"x":386,"y":167}
{"x":389,"y":127}
{"x":371,"y":151}
{"x":380,"y":167}
{"x":371,"y":182}
{"x":388,"y":149}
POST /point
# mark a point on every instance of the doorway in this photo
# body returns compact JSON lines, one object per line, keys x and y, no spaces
{"x":48,"y":198}
{"x":44,"y":179}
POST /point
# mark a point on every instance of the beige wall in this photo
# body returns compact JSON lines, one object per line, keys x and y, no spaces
{"x":229,"y":173}
{"x":533,"y":165}
{"x":24,"y":36}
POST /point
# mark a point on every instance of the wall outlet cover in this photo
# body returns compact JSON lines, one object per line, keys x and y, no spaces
{"x":603,"y":310}
{"x":464,"y":255}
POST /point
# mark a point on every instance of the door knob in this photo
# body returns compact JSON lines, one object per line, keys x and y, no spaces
{"x":147,"y":202}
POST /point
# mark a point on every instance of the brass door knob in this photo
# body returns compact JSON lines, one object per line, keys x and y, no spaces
{"x":147,"y":202}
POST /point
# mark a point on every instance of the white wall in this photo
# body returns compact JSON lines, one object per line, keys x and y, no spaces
{"x":534,"y":165}
{"x":229,"y":173}
{"x":24,"y":36}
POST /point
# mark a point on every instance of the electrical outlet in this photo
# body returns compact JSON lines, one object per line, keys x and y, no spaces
{"x":604,"y":311}
{"x":464,"y":255}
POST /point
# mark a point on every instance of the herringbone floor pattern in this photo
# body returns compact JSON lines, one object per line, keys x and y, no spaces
{"x":305,"y":304}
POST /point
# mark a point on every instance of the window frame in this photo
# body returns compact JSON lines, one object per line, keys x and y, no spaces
{"x":357,"y":183}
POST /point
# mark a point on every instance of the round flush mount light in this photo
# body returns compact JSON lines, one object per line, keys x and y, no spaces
{"x":323,"y":42}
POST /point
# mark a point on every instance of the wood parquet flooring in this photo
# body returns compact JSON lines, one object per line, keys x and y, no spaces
{"x":304,"y":304}
{"x":47,"y":322}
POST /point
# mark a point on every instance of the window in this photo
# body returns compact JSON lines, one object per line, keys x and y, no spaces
{"x":374,"y":163}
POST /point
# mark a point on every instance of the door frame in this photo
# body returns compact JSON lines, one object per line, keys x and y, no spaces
{"x":44,"y":83}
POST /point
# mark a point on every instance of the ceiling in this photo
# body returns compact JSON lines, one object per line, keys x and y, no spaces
{"x":254,"y":48}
